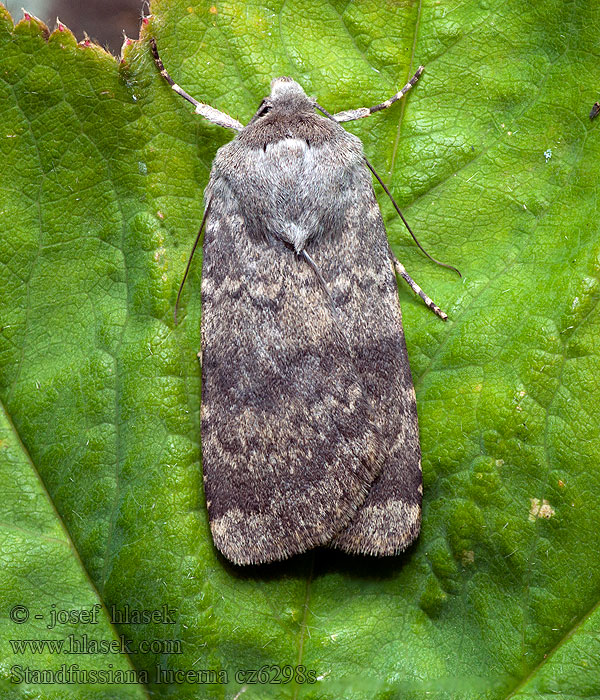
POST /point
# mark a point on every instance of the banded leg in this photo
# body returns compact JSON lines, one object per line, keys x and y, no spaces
{"x":210,"y":113}
{"x":399,"y":267}
{"x":351,"y":114}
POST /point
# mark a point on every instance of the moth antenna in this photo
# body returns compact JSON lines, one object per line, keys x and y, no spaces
{"x":189,"y":262}
{"x":322,"y":282}
{"x":405,"y":222}
{"x":396,"y":207}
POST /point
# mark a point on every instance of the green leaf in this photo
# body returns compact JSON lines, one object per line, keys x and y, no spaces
{"x":495,"y":162}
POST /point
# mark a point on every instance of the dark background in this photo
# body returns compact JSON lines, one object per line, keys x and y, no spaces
{"x":103,"y":20}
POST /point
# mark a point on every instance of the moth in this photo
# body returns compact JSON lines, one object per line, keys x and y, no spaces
{"x":595,"y":111}
{"x":308,"y":419}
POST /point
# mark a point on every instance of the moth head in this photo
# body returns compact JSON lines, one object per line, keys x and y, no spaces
{"x":286,"y":96}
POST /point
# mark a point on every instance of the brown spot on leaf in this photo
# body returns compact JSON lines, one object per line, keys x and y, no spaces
{"x":540,"y":509}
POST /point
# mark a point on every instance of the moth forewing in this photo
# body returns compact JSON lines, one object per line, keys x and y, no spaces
{"x":309,"y":421}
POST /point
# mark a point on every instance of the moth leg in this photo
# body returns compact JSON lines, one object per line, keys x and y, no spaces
{"x":210,"y":113}
{"x":399,"y":267}
{"x":351,"y":114}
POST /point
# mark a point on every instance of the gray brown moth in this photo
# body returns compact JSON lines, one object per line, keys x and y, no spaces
{"x":309,"y":420}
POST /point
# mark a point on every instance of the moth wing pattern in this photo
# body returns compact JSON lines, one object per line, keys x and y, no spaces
{"x":358,"y":270}
{"x":309,"y":421}
{"x":289,"y":450}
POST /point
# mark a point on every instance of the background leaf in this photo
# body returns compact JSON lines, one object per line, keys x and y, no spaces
{"x":495,"y":162}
